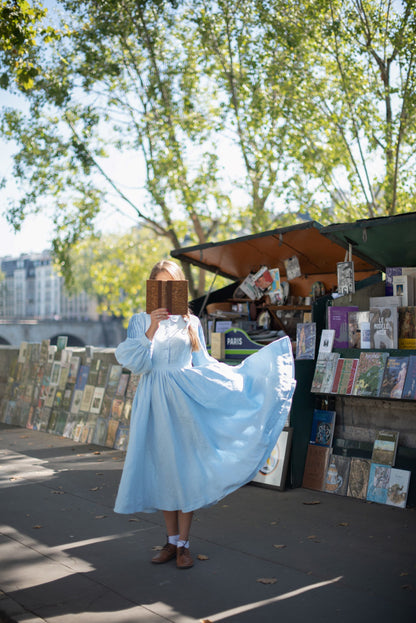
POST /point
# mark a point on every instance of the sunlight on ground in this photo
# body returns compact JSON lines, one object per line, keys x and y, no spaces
{"x":28,"y":562}
{"x":135,"y":614}
{"x":20,"y":549}
{"x":18,"y":468}
{"x":102,"y":539}
{"x":220,"y":616}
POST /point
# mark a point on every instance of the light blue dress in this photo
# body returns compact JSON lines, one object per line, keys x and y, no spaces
{"x":200,"y":429}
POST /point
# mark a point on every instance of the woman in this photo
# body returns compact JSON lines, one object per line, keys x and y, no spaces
{"x":200,"y":429}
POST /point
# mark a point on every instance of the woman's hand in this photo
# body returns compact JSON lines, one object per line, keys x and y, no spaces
{"x":156,"y":316}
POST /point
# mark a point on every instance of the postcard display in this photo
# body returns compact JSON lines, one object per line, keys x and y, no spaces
{"x":377,"y":359}
{"x":74,"y":393}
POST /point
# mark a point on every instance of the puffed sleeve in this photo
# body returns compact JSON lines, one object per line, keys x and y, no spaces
{"x":135,"y":353}
{"x":201,"y":357}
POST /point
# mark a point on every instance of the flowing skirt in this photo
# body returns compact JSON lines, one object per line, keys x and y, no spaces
{"x":199,"y":433}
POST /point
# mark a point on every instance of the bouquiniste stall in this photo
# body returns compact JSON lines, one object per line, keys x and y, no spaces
{"x":371,"y":244}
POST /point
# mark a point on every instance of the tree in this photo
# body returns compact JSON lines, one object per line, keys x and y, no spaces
{"x":318,"y":97}
{"x":355,"y":115}
{"x":21,"y":28}
{"x":253,"y":68}
{"x":131,"y":84}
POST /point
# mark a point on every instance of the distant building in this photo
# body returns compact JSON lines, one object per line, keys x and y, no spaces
{"x":32,"y":289}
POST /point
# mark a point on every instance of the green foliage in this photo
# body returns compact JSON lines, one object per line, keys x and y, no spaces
{"x":353,"y":120}
{"x":130,"y":85}
{"x":21,"y":31}
{"x":318,"y":99}
{"x":114,"y":268}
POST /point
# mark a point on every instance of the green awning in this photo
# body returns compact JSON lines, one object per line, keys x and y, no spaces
{"x":383,"y":241}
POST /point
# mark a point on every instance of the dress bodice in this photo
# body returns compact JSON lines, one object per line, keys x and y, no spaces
{"x":171,"y":346}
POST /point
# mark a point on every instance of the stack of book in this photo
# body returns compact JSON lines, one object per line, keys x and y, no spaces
{"x":374,"y":374}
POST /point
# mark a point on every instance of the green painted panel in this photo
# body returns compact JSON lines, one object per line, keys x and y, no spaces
{"x":383,"y":241}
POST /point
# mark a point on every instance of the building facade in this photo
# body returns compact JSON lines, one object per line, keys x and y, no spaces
{"x":31,"y":288}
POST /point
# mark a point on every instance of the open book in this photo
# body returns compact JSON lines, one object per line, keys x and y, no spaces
{"x":172,"y":295}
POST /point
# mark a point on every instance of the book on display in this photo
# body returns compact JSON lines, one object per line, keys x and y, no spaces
{"x":369,"y":375}
{"x":385,"y":447}
{"x":338,"y":321}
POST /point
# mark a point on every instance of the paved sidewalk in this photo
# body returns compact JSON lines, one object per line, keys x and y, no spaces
{"x":66,"y":557}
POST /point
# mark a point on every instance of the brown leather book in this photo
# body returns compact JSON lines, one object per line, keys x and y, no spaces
{"x":172,"y":295}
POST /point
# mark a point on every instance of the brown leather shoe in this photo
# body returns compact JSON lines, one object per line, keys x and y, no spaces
{"x":166,"y":553}
{"x":184,"y":558}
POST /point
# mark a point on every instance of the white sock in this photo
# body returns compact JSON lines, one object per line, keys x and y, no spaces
{"x":173,"y":540}
{"x":182,"y":543}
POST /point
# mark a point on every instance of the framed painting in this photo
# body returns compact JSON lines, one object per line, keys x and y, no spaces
{"x":274,"y":471}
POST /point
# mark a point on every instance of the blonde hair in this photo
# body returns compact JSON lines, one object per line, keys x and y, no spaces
{"x":177,"y":274}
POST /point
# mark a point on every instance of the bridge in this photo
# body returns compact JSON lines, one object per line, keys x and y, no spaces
{"x":106,"y":333}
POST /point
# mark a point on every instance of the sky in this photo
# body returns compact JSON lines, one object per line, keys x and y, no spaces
{"x":36,"y":231}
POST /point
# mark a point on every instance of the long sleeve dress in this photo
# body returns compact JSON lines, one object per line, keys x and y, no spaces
{"x":200,"y":429}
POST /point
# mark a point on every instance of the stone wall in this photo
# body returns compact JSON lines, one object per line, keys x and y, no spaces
{"x":360,"y":418}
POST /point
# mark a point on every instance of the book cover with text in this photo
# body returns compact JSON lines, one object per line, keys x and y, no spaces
{"x":338,"y":320}
{"x":384,"y":324}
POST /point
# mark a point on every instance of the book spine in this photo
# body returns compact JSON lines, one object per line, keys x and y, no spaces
{"x":168,"y":295}
{"x":353,"y":373}
{"x":337,"y":376}
{"x":160,"y":301}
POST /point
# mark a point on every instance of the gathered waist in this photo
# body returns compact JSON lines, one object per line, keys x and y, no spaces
{"x":168,"y":367}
